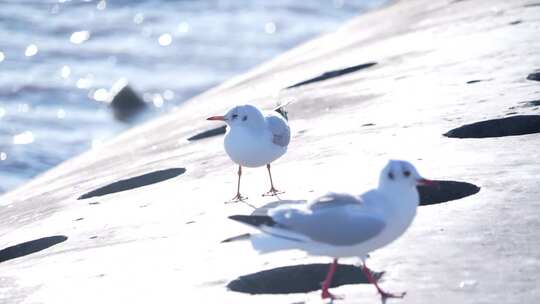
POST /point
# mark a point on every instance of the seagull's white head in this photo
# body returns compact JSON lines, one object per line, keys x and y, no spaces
{"x":400,"y":174}
{"x":242,"y":116}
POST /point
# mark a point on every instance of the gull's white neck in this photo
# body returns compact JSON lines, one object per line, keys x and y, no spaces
{"x":399,"y":193}
{"x":400,"y":202}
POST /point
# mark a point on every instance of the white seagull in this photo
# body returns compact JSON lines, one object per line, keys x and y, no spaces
{"x":254,"y":139}
{"x":343,"y":225}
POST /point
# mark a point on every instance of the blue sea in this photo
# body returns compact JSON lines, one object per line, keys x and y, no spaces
{"x":60,"y":59}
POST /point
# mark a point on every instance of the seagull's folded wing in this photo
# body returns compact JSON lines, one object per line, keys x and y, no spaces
{"x":279,"y":128}
{"x":341,"y":225}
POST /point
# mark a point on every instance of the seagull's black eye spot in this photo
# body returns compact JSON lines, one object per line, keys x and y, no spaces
{"x":391,"y":175}
{"x":234,"y":116}
{"x":407,"y":173}
{"x":244,"y":118}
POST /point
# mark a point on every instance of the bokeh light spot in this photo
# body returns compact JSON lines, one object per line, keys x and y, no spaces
{"x":31,"y":50}
{"x":23,"y":138}
{"x":65,"y":71}
{"x":165,"y":39}
{"x":79,"y":37}
{"x":138,"y":18}
{"x":270,"y":28}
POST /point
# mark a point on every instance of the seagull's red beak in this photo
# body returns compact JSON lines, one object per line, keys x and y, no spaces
{"x":222,"y":118}
{"x":427,"y":182}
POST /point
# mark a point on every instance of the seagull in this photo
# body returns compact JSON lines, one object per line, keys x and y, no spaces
{"x":340,"y":225}
{"x":254,"y":139}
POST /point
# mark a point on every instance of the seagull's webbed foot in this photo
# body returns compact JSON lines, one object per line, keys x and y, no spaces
{"x":237,"y":198}
{"x":387,"y":295}
{"x":327,"y":295}
{"x":273,"y":192}
{"x":384,"y":295}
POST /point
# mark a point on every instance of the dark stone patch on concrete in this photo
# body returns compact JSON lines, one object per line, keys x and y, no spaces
{"x":93,"y":203}
{"x":297,"y":279}
{"x":534,"y":76}
{"x":531,"y":4}
{"x":473,"y":81}
{"x":79,"y":219}
{"x":334,"y":73}
{"x":511,"y":113}
{"x":515,"y":22}
{"x":508,"y":126}
{"x":135,"y":182}
{"x":445,"y":192}
{"x":126,"y":104}
{"x":532,"y":103}
{"x":209,"y":133}
{"x":367,"y":125}
{"x":30,"y":247}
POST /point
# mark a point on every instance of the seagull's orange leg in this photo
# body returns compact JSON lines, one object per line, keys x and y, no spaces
{"x":325,"y":294}
{"x":238,"y":197}
{"x":273,"y":191}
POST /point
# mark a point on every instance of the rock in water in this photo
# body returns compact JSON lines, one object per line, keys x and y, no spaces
{"x":126,"y":104}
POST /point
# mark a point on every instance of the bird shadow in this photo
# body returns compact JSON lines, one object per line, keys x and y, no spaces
{"x":297,"y":279}
{"x":30,"y":247}
{"x":135,"y":182}
{"x":445,"y":191}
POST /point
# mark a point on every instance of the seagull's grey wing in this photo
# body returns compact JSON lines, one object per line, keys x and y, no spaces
{"x":340,"y":225}
{"x":281,"y":134}
{"x":332,"y":199}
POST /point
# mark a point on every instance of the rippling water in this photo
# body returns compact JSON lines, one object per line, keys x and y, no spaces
{"x":59,"y":59}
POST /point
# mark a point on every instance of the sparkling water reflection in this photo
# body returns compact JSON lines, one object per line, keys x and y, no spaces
{"x":60,"y":61}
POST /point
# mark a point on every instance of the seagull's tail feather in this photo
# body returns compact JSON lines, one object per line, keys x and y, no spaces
{"x":272,"y":239}
{"x":280,"y":108}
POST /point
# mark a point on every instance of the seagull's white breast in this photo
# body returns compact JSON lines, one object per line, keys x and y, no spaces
{"x":251,"y":148}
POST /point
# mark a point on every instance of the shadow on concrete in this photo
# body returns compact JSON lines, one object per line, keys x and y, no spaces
{"x":531,"y":103}
{"x":513,"y":125}
{"x":135,"y":182}
{"x":334,"y":73}
{"x":209,"y":133}
{"x":297,"y":279}
{"x":30,"y":247}
{"x":534,"y":76}
{"x":445,"y":192}
{"x":474,"y":81}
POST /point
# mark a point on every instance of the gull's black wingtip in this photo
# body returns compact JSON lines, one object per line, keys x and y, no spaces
{"x":254,"y":220}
